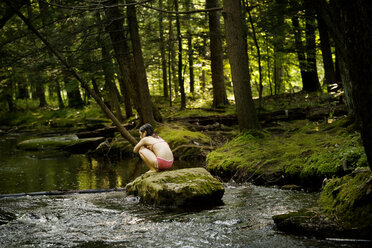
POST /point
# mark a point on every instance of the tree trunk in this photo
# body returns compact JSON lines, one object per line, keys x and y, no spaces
{"x":114,"y":26}
{"x":325,"y":45}
{"x":40,"y":93}
{"x":299,"y":49}
{"x":22,"y":92}
{"x":350,"y":22}
{"x":312,"y":81}
{"x":218,"y":80}
{"x":191,"y":62}
{"x":73,"y":94}
{"x":143,"y":92}
{"x":61,"y":105}
{"x":108,"y":71}
{"x":162,"y":53}
{"x":9,"y":96}
{"x":260,"y":87}
{"x":170,"y":60}
{"x":126,"y":97}
{"x":190,"y":50}
{"x":238,"y":58}
{"x":180,"y":64}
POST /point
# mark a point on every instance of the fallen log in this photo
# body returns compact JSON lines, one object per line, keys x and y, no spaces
{"x":106,"y":132}
{"x":313,"y":114}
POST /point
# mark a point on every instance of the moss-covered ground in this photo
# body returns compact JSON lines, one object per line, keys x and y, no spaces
{"x":299,"y":152}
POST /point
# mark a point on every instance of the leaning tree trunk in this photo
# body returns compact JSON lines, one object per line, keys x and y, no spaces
{"x":238,"y":58}
{"x":218,"y":80}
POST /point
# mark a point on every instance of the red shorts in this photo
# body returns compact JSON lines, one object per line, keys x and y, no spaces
{"x":164,"y":164}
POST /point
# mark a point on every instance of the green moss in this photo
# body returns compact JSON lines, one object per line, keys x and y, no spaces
{"x":348,"y":199}
{"x":176,"y":134}
{"x":304,"y":154}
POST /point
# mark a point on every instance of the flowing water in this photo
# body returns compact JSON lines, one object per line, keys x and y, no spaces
{"x":114,"y":219}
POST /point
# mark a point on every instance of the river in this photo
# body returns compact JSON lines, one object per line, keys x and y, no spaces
{"x":114,"y":219}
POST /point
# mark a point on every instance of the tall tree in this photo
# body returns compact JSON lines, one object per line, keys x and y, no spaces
{"x":238,"y":57}
{"x":311,"y":82}
{"x":325,"y":45}
{"x":114,"y":20}
{"x":163,"y":53}
{"x":190,"y":49}
{"x":260,"y":87}
{"x":108,"y":72}
{"x":350,"y":24}
{"x":147,"y":107}
{"x":180,"y":63}
{"x":218,"y":80}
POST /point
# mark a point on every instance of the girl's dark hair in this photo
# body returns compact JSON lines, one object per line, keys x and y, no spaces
{"x":148,"y":128}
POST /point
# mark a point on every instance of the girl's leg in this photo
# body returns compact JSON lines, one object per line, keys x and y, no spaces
{"x":149,"y":158}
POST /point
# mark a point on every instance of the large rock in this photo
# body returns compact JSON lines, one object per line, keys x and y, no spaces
{"x":193,"y":187}
{"x":48,"y":143}
{"x":344,"y":210}
{"x":70,"y":143}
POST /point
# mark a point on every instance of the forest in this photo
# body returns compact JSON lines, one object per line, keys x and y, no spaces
{"x":270,"y":92}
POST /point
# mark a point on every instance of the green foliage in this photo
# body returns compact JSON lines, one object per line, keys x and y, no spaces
{"x":176,"y":134}
{"x":89,"y":116}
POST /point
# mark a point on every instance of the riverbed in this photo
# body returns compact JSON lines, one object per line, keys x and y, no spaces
{"x":114,"y":219}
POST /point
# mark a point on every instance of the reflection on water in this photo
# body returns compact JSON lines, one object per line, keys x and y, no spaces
{"x":33,"y":171}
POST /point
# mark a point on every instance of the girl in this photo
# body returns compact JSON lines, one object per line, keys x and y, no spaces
{"x":154,"y":151}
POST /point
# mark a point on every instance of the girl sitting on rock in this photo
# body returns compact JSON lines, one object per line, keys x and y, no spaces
{"x":154,"y":151}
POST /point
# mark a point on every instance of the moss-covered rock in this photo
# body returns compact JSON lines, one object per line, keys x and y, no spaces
{"x":193,"y":187}
{"x":344,"y":211}
{"x":348,"y":200}
{"x":304,"y":154}
{"x":48,"y":143}
{"x":69,"y":143}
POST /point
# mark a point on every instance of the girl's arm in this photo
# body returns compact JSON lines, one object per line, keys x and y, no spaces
{"x":141,"y":143}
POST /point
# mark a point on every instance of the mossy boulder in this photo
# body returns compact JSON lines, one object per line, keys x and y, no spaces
{"x":344,"y":210}
{"x":348,"y":200}
{"x":69,"y":143}
{"x":193,"y":187}
{"x":48,"y":143}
